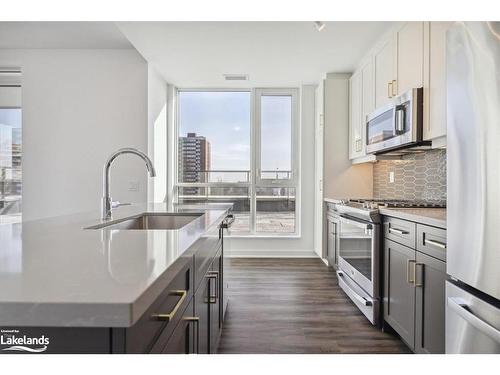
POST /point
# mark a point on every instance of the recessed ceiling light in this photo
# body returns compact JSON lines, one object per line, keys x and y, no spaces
{"x":319,"y":25}
{"x":236,"y":77}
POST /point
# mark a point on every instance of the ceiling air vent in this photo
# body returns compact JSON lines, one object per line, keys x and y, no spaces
{"x":236,"y":77}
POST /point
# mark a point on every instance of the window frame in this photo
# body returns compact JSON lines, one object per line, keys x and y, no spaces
{"x":254,"y":181}
{"x":270,"y":182}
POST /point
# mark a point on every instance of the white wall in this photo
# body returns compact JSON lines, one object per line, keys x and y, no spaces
{"x":302,"y":246}
{"x":78,"y":107}
{"x":335,"y":176}
{"x":157,"y":134}
{"x":341,"y":178}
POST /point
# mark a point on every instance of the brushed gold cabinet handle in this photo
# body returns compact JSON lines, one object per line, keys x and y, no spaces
{"x":196,"y":321}
{"x":421,"y":283}
{"x":408,"y":263}
{"x":398,"y":231}
{"x":394,"y":88}
{"x":214,"y":275}
{"x":171,"y":314}
{"x":389,"y":90}
{"x":435,"y":243}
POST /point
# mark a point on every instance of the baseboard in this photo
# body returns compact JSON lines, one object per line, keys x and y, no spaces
{"x":272,"y":254}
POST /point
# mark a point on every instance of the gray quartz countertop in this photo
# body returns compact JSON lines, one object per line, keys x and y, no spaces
{"x":331,"y":200}
{"x":53,"y":272}
{"x":430,"y":216}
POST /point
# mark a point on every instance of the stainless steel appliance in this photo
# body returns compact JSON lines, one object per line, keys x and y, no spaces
{"x":397,"y":125}
{"x":358,"y":243}
{"x":473,"y":120}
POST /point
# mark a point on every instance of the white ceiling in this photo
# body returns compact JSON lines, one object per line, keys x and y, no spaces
{"x":62,"y":35}
{"x":197,"y":54}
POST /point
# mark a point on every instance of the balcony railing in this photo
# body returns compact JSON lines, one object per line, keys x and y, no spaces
{"x":231,"y":176}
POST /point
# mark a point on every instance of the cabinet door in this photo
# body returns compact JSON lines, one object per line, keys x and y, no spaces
{"x":435,"y":95}
{"x":399,"y":290}
{"x":367,"y":100}
{"x":183,"y":339}
{"x":330,"y":238}
{"x":215,"y":302}
{"x":355,"y":137}
{"x":383,"y":61}
{"x":332,"y":247}
{"x":430,"y":305}
{"x":410,"y":57}
{"x":202,"y":311}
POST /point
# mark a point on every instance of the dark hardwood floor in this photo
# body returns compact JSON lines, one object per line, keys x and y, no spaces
{"x":295,"y":306}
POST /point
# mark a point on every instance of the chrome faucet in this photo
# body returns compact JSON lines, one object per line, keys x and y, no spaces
{"x":107,"y":203}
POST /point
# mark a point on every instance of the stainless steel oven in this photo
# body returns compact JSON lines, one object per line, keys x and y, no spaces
{"x":397,"y":125}
{"x":358,"y":268}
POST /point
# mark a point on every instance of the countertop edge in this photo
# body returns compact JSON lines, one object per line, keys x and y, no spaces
{"x":421,"y":219}
{"x":98,"y":314}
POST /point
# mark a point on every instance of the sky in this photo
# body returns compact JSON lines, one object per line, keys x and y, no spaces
{"x":224,"y":118}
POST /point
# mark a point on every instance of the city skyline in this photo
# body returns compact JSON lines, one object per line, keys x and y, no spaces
{"x":224,"y":118}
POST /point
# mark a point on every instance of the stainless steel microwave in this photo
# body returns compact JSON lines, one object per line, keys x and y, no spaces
{"x":397,"y":125}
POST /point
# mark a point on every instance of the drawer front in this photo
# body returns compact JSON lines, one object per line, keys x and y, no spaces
{"x":400,"y":231}
{"x":431,"y":241}
{"x":163,"y":315}
{"x":206,"y":249}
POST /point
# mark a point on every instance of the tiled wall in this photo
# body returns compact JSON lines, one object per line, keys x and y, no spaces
{"x":419,"y":176}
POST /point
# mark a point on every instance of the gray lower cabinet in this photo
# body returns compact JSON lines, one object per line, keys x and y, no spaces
{"x":202,"y":312}
{"x":414,"y":287}
{"x":215,"y":301}
{"x":183,"y":339}
{"x":399,"y":291}
{"x":331,"y":240}
{"x":208,"y":307}
{"x":430,"y":280}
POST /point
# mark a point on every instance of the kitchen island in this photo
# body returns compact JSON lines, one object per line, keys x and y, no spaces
{"x":111,"y":290}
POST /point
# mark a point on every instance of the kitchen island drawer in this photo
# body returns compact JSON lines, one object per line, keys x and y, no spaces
{"x":400,"y":231}
{"x":431,"y":241}
{"x":163,"y":315}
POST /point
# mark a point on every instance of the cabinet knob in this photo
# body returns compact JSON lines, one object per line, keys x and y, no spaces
{"x":389,"y":89}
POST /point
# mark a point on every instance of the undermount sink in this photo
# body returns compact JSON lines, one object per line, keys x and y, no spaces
{"x":150,"y":221}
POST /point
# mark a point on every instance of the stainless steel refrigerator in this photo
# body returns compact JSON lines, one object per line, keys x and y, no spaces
{"x":473,"y":158}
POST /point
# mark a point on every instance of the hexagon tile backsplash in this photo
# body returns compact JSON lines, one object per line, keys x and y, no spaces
{"x":419,"y":176}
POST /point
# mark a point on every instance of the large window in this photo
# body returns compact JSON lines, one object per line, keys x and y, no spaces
{"x":240,"y":147}
{"x":10,"y":147}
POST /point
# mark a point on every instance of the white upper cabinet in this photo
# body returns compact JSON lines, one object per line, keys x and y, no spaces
{"x":383,"y":61}
{"x":362,"y":104}
{"x":368,"y":95}
{"x":413,"y":55}
{"x":435,"y":85}
{"x":355,"y":116}
{"x":410,"y":57}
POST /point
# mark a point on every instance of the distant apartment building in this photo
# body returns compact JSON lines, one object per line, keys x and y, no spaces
{"x":194,"y":160}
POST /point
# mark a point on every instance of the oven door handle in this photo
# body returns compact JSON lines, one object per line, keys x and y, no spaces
{"x":359,"y":223}
{"x":360,"y":299}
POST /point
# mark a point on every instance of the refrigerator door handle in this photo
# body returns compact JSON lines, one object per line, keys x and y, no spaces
{"x":461,"y":308}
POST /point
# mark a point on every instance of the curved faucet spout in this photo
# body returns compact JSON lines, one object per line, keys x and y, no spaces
{"x":107,"y":202}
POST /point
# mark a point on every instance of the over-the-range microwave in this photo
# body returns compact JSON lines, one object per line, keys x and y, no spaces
{"x":396,"y":125}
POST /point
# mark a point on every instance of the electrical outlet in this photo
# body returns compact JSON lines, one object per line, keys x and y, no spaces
{"x":391,"y":177}
{"x":134,"y":186}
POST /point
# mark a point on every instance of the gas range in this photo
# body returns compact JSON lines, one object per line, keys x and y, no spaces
{"x":368,"y":209}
